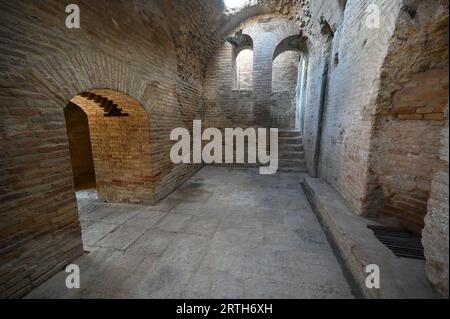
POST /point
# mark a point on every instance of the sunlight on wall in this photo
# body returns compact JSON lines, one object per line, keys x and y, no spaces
{"x":238,"y":4}
{"x":244,"y":71}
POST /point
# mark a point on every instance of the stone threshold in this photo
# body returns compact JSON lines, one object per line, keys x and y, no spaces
{"x":400,"y":278}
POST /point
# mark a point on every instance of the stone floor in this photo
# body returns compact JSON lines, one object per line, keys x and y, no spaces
{"x":226,"y":233}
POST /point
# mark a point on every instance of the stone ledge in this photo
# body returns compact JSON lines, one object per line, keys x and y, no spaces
{"x":401,"y":278}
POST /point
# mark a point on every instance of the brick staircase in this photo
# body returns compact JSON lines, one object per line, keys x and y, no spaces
{"x":290,"y":151}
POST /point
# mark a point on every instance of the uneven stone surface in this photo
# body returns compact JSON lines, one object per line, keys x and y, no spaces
{"x":436,"y":231}
{"x":400,"y":278}
{"x":234,"y":234}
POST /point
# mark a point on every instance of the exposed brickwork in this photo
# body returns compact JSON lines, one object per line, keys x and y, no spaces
{"x":423,"y":97}
{"x":350,"y":98}
{"x":253,"y":108}
{"x":410,"y":113}
{"x":410,"y":159}
{"x":43,"y":66}
{"x":166,"y":63}
{"x":120,"y":148}
{"x":381,"y":127}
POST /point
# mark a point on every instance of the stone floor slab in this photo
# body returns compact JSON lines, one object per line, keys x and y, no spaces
{"x":226,"y":233}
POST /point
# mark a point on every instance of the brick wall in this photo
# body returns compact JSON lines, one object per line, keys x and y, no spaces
{"x":383,"y":107}
{"x":410,"y":144}
{"x":121,"y":149}
{"x":225,"y":106}
{"x":350,"y":98}
{"x":123,"y":47}
{"x":172,"y":59}
{"x":436,"y":232}
{"x":410,"y":114}
{"x":383,"y":117}
{"x":318,"y":52}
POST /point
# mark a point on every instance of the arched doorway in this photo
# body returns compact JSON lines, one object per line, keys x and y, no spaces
{"x":109,"y":141}
{"x":288,"y":83}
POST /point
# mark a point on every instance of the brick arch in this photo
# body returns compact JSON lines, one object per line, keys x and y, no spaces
{"x":277,"y":8}
{"x":61,"y":77}
{"x":292,"y":43}
{"x":120,"y":138}
{"x":241,"y":41}
{"x":247,"y":108}
{"x":279,"y":28}
{"x":45,"y":67}
{"x":41,"y":191}
{"x":289,"y":67}
{"x":242,"y":61}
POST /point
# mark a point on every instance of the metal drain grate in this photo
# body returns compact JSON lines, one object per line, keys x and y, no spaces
{"x":399,"y":241}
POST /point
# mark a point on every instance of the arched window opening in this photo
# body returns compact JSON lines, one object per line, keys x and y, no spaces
{"x":242,"y":64}
{"x":243,"y":78}
{"x":285,"y":72}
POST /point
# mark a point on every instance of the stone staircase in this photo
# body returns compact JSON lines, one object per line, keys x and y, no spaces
{"x":290,"y":151}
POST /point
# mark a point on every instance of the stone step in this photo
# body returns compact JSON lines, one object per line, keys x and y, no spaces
{"x":291,"y":155}
{"x":291,"y":162}
{"x":290,"y":148}
{"x":300,"y":169}
{"x":289,"y":133}
{"x":290,"y":140}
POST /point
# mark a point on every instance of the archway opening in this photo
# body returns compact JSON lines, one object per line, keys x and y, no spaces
{"x":109,"y":142}
{"x":242,"y":63}
{"x":288,"y":84}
